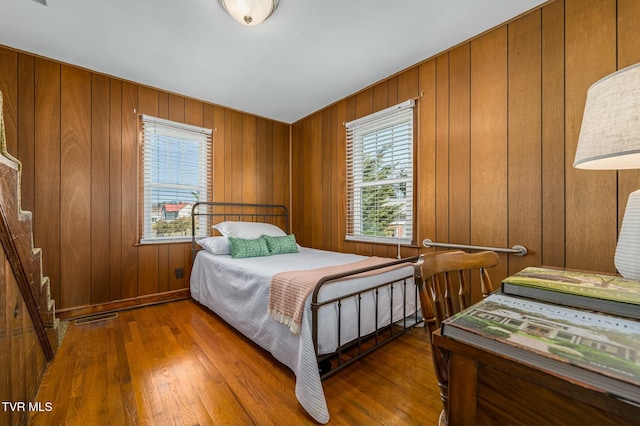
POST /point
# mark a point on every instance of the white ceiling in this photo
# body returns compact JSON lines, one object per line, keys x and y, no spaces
{"x":309,"y":54}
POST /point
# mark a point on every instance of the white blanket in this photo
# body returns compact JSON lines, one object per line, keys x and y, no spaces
{"x":238,"y":291}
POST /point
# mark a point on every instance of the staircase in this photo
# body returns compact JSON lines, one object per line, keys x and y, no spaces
{"x":16,"y":236}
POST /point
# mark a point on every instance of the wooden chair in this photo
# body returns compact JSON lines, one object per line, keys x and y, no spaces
{"x":445,"y":281}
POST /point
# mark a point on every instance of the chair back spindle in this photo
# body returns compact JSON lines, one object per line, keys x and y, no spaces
{"x":438,"y":275}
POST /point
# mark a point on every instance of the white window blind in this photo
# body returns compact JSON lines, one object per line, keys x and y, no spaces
{"x":177,"y":174}
{"x":380,"y":176}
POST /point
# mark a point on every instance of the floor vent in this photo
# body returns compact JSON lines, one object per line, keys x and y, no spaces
{"x":96,"y":318}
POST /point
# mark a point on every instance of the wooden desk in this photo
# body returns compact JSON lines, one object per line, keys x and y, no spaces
{"x":490,"y":389}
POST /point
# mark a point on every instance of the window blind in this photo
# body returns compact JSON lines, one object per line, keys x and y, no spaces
{"x":380,"y":176}
{"x":176,"y":175}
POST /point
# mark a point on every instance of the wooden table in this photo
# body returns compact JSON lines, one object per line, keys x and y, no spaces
{"x":491,"y":389}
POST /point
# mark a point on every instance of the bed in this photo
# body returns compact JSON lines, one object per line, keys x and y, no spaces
{"x":362,"y":304}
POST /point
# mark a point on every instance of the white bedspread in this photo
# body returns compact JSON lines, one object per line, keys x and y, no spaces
{"x":238,"y":291}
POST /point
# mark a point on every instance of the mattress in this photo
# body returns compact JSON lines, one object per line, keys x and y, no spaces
{"x":238,"y":291}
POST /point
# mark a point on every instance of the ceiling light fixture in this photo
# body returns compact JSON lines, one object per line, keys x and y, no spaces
{"x":249,"y":12}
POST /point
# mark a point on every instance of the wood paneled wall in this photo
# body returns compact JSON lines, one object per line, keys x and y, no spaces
{"x":498,"y":123}
{"x":76,"y":134}
{"x":21,"y":356}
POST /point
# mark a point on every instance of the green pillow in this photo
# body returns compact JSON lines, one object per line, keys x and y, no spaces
{"x":241,"y":247}
{"x":281,"y":245}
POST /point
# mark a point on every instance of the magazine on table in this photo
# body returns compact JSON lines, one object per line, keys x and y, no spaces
{"x":600,"y":350}
{"x":602,"y":293}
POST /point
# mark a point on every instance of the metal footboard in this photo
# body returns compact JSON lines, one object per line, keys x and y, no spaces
{"x":362,"y":345}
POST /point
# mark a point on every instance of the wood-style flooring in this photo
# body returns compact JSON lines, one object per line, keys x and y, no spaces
{"x":179,"y":364}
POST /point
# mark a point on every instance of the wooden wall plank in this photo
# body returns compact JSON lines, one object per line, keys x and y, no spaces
{"x":408,"y":85}
{"x":262,"y":151}
{"x":129,"y":196}
{"x":313,"y":163}
{"x":148,"y":254}
{"x":9,"y":88}
{"x":589,"y":57}
{"x":100,"y":151}
{"x":248,"y":159}
{"x":489,"y":141}
{"x":219,"y":154}
{"x":193,"y":112}
{"x":75,"y":186}
{"x":553,"y":161}
{"x":46,"y":209}
{"x":441,"y":160}
{"x":148,"y":266}
{"x":524,"y":171}
{"x":425,"y":153}
{"x":26,"y":129}
{"x":339,"y":182}
{"x":115,"y":190}
{"x":326,"y":145}
{"x":234,"y":148}
{"x":459,"y":167}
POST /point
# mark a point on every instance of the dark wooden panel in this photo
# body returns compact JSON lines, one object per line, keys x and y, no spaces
{"x":590,"y":55}
{"x":26,"y":129}
{"x":163,"y":268}
{"x":115,"y":190}
{"x":233,"y":148}
{"x":46,"y":214}
{"x":489,"y":142}
{"x":100,"y":150}
{"x":314,"y":165}
{"x":176,"y":261}
{"x":248,"y":158}
{"x":553,"y":162}
{"x":326,"y":145}
{"x":264,"y":149}
{"x":281,"y":164}
{"x":129,"y":185}
{"x":75,"y":186}
{"x":524,"y":169}
{"x":9,"y":88}
{"x":148,"y":267}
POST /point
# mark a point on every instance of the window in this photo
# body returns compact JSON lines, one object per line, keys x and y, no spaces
{"x":380,"y":176}
{"x":177,"y":173}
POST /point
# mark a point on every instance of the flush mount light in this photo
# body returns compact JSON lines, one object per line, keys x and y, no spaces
{"x":249,"y":12}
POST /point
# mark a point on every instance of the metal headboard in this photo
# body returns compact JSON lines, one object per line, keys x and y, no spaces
{"x":244,"y":212}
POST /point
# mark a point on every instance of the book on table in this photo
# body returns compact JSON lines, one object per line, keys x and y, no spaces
{"x":602,"y":293}
{"x":602,"y":351}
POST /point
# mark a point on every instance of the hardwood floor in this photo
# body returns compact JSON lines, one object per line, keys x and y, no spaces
{"x":177,"y":363}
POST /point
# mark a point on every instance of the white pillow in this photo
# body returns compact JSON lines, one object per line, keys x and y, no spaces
{"x":216,"y":245}
{"x":248,"y":230}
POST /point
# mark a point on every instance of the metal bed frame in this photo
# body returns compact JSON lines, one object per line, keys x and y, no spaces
{"x":362,"y":345}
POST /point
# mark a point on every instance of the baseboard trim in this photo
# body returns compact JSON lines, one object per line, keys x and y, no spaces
{"x":120,"y":305}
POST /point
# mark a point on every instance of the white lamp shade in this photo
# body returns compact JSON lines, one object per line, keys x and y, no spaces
{"x":627,"y":258}
{"x":249,"y":12}
{"x":610,"y":133}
